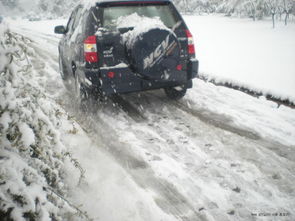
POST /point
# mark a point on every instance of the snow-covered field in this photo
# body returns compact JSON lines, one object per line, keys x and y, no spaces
{"x":218,"y":154}
{"x":246,"y":53}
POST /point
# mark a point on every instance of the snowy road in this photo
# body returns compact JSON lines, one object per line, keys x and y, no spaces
{"x":218,"y":154}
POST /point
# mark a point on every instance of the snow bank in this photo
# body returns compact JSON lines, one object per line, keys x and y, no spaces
{"x":4,"y":58}
{"x":32,"y":156}
{"x":246,"y":53}
{"x":89,"y":177}
{"x":258,"y":115}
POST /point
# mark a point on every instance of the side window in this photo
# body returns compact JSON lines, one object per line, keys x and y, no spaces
{"x":70,"y":22}
{"x":74,"y":20}
{"x":77,"y":17}
{"x":93,"y":20}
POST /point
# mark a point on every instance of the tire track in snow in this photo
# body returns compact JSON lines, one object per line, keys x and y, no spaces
{"x":166,"y":195}
{"x":128,"y":107}
{"x":259,"y":154}
{"x":220,"y":121}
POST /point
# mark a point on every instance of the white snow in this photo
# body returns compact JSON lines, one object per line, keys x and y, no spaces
{"x":108,"y":192}
{"x":3,"y":51}
{"x":92,"y":180}
{"x":3,"y":28}
{"x":121,"y":65}
{"x":140,"y":24}
{"x":44,"y":27}
{"x":216,"y":151}
{"x":134,"y":20}
{"x":246,"y":53}
{"x":28,"y":136}
{"x":31,"y":155}
{"x":259,"y":115}
{"x":5,"y":119}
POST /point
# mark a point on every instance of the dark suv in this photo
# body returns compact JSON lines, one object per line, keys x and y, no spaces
{"x":121,"y":46}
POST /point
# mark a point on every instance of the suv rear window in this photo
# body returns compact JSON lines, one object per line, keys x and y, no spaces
{"x":164,"y":12}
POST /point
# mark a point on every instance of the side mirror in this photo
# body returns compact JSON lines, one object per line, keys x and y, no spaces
{"x":60,"y":29}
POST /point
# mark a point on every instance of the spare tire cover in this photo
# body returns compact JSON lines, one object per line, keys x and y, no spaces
{"x":154,"y":52}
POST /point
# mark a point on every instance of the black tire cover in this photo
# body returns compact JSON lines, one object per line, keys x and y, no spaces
{"x":155,"y":52}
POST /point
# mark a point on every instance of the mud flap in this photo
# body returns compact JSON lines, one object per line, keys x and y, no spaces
{"x":192,"y":69}
{"x":189,"y":84}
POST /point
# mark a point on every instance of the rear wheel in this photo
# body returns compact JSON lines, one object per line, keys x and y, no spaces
{"x":64,"y":74}
{"x":87,"y":98}
{"x":176,"y":93}
{"x":84,"y":98}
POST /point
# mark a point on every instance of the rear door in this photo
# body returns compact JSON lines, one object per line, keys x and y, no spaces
{"x":166,"y":11}
{"x":64,"y":44}
{"x":70,"y":38}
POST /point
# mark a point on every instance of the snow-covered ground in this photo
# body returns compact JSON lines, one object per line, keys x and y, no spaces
{"x":246,"y":53}
{"x":218,"y":154}
{"x":37,"y":135}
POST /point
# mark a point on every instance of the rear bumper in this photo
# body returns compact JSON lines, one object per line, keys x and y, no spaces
{"x":113,"y":80}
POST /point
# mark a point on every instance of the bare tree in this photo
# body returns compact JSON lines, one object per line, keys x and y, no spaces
{"x":287,"y":9}
{"x":251,"y":6}
{"x":273,"y":9}
{"x":10,"y":3}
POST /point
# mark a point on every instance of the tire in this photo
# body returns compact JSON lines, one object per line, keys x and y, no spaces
{"x":80,"y":94}
{"x":85,"y":97}
{"x":152,"y":53}
{"x":175,"y":93}
{"x":64,"y":74}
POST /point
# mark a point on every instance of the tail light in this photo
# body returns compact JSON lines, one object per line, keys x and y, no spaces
{"x":90,"y":49}
{"x":179,"y":67}
{"x":191,"y":45}
{"x":111,"y":74}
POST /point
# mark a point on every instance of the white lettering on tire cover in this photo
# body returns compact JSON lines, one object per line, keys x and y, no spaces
{"x":150,"y":60}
